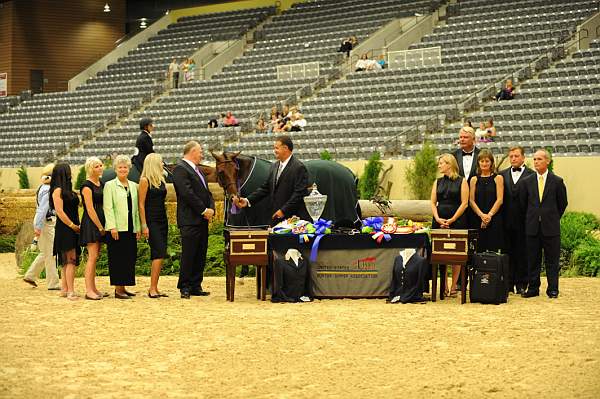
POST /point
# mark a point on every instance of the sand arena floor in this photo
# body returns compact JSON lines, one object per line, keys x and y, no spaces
{"x":206,"y":347}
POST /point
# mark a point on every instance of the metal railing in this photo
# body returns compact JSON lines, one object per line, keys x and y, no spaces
{"x":415,"y":134}
{"x":302,"y":70}
{"x":426,"y":56}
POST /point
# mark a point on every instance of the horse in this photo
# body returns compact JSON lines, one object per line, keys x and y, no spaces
{"x":240,"y":175}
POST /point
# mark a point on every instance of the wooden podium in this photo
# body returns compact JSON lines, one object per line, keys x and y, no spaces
{"x":246,"y":247}
{"x":451,"y":247}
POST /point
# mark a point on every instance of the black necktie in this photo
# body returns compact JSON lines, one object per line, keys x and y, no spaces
{"x":516,"y":169}
{"x":467,"y":154}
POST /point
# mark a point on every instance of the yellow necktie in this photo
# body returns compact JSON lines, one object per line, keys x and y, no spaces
{"x":541,"y":187}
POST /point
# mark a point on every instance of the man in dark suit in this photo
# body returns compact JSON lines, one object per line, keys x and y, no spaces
{"x":286,"y":186}
{"x":466,"y":157}
{"x":544,"y":198}
{"x":514,"y":219}
{"x":143,"y":143}
{"x":195,"y":208}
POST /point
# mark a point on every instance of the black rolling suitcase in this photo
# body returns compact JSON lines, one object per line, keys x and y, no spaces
{"x":489,"y":278}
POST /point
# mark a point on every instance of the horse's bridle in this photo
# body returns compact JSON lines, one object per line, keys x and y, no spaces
{"x":226,"y":185}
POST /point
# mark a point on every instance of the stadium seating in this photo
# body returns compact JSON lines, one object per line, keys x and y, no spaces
{"x":485,"y":43}
{"x":559,"y":109}
{"x":249,"y":86}
{"x":53,"y":122}
{"x":361,"y":113}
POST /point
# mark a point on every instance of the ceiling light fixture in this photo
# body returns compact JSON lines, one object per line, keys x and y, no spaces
{"x":143,"y":23}
{"x":106,"y":8}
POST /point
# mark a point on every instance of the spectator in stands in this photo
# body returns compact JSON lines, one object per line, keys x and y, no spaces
{"x":214,"y":122}
{"x":221,"y":121}
{"x":362,"y":64}
{"x":65,"y":203}
{"x":486,"y":195}
{"x":92,"y":233}
{"x":153,"y":217}
{"x":481,"y":132}
{"x":490,"y":129}
{"x":190,"y":70}
{"x":507,"y":93}
{"x":184,"y":69}
{"x":230,"y":120}
{"x":382,"y":62}
{"x":286,"y":113}
{"x":143,"y":143}
{"x":449,"y":200}
{"x":298,"y":122}
{"x":123,"y":222}
{"x":275,"y":117}
{"x":261,"y":126}
{"x":174,"y":73}
{"x":43,"y":228}
{"x":347,"y":45}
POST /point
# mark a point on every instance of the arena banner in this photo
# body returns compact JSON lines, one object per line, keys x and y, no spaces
{"x":353,"y":273}
{"x":3,"y":84}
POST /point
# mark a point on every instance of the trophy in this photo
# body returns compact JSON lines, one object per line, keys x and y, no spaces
{"x":315,"y":203}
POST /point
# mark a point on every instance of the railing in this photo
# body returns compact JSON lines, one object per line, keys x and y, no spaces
{"x":426,"y":56}
{"x":414,"y":134}
{"x":298,"y":71}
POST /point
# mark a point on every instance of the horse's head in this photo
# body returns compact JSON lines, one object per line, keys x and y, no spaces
{"x":227,"y":171}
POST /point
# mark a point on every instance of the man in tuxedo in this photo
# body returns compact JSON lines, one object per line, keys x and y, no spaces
{"x":466,"y":157}
{"x":514,"y":219}
{"x":286,"y":185}
{"x":143,"y":143}
{"x":543,"y":196}
{"x":195,"y":208}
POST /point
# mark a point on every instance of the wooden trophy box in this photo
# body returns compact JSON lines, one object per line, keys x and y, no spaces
{"x":450,"y":246}
{"x":246,"y":247}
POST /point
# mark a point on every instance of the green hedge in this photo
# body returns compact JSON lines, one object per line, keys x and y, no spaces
{"x":580,"y":251}
{"x":215,"y":265}
{"x":7,"y":243}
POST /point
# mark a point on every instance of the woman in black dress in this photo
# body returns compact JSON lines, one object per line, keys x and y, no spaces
{"x":153,"y":215}
{"x":64,"y":201}
{"x":449,"y":200}
{"x":486,"y":195}
{"x":123,"y":221}
{"x":92,"y":231}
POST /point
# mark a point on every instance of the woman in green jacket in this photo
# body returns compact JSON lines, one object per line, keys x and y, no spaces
{"x":123,"y":223}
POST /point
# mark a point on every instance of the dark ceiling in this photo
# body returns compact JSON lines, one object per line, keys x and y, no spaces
{"x":154,"y":9}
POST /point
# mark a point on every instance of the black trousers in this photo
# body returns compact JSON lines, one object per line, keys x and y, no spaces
{"x":517,"y":250}
{"x":194,"y":242}
{"x":551,"y":252}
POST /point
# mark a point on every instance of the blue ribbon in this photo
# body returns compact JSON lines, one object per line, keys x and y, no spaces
{"x":321,"y":227}
{"x":374,"y":222}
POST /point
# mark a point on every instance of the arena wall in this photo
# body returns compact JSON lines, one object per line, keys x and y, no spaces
{"x":59,"y":37}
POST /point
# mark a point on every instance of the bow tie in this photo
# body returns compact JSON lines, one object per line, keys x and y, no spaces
{"x":467,"y":154}
{"x":517,"y":169}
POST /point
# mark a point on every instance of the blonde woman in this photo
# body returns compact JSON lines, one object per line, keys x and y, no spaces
{"x":449,"y":200}
{"x":123,"y":222}
{"x":92,"y":232}
{"x":153,"y":215}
